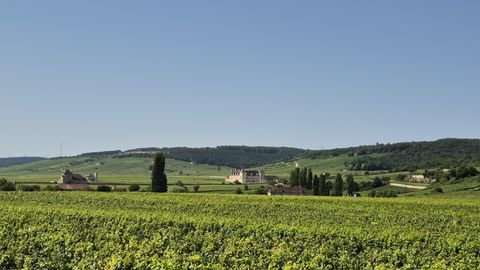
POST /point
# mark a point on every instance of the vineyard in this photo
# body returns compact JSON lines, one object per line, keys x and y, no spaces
{"x":70,"y":230}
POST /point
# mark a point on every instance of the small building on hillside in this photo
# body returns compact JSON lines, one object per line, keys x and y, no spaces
{"x":246,"y":176}
{"x":92,"y":177}
{"x":71,"y":181}
{"x":417,"y":178}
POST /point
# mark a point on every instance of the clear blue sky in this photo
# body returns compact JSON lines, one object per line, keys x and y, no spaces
{"x":103,"y":75}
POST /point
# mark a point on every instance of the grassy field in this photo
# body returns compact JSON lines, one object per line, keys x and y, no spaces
{"x":91,"y":230}
{"x":467,"y":188}
{"x":111,"y":167}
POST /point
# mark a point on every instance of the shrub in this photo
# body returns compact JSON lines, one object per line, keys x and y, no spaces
{"x":260,"y":191}
{"x":372,"y":193}
{"x":134,"y":187}
{"x":179,"y":183}
{"x":52,"y":188}
{"x":196,"y":188}
{"x":178,"y":189}
{"x":237,"y":182}
{"x":245,"y":187}
{"x":29,"y":188}
{"x":238,"y":191}
{"x":6,"y":186}
{"x":103,"y":188}
{"x":437,"y":190}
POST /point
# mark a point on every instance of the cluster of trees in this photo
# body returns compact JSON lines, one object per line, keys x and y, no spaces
{"x":320,"y":186}
{"x":382,"y":193}
{"x":232,"y":156}
{"x":100,"y":154}
{"x":447,"y":175}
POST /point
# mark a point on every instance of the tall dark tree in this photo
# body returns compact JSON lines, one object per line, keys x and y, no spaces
{"x":352,"y":186}
{"x":315,"y":185}
{"x":328,"y":187}
{"x":159,"y":178}
{"x":338,"y":187}
{"x":294,"y":177}
{"x":322,"y":185}
{"x":303,"y":177}
{"x":309,"y":184}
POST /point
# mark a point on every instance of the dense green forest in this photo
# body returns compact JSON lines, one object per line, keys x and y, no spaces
{"x":231,"y":156}
{"x":11,"y":161}
{"x":408,"y":156}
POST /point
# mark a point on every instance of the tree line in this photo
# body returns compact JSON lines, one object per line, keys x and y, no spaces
{"x":320,"y":185}
{"x":409,"y":156}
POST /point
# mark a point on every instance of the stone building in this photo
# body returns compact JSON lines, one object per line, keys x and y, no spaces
{"x":246,"y":176}
{"x":71,"y":178}
{"x":92,"y":177}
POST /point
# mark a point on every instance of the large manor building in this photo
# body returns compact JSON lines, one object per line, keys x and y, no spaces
{"x":71,"y":178}
{"x":246,"y":176}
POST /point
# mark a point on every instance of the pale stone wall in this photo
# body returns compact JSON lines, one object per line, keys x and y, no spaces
{"x":246,"y":176}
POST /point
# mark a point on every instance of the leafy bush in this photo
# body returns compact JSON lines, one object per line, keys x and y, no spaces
{"x":6,"y":185}
{"x":437,"y":190}
{"x":260,"y":191}
{"x":29,"y":188}
{"x":196,"y":188}
{"x":178,"y":189}
{"x":238,"y":191}
{"x":134,"y":187}
{"x":52,"y":188}
{"x":103,"y":188}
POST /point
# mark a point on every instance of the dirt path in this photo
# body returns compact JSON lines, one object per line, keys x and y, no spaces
{"x":407,"y":186}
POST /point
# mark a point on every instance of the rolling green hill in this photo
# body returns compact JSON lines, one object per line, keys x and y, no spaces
{"x":133,"y":169}
{"x":189,"y":164}
{"x":12,"y":161}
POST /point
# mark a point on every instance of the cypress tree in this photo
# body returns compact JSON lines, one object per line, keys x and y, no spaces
{"x":315,"y":184}
{"x":309,"y":179}
{"x":159,"y":178}
{"x":322,"y":187}
{"x":351,"y":185}
{"x":293,"y":178}
{"x":338,"y":187}
{"x":328,"y":187}
{"x":303,"y":177}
